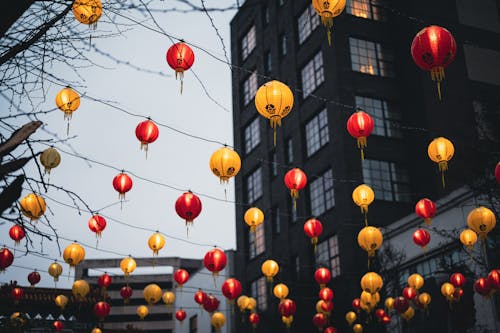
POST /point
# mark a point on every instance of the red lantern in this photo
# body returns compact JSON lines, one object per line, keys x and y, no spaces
{"x":122,"y":184}
{"x":380,"y":313}
{"x":6,"y":258}
{"x":58,"y":326}
{"x":356,"y":304}
{"x":126,"y":292}
{"x":33,"y":278}
{"x":433,"y":49}
{"x":497,"y":172}
{"x":17,"y":294}
{"x":97,"y":224}
{"x":188,"y":207}
{"x":146,"y":132}
{"x":287,"y":307}
{"x":482,"y":287}
{"x":322,"y":276}
{"x":181,"y":276}
{"x":386,"y":320}
{"x":104,"y":281}
{"x":319,"y":320}
{"x":494,"y":279}
{"x":180,"y":315}
{"x":409,"y":293}
{"x":457,"y":280}
{"x":101,"y":310}
{"x":330,"y":329}
{"x":401,"y":304}
{"x":180,"y":57}
{"x":313,"y":229}
{"x":457,"y":294}
{"x":326,"y":294}
{"x":360,"y":126}
{"x":17,"y":233}
{"x":215,"y":260}
{"x":200,"y":297}
{"x":327,"y":306}
{"x":254,"y":319}
{"x":295,"y":180}
{"x":421,"y":237}
{"x":426,"y":209}
{"x":211,"y":303}
{"x":231,"y":288}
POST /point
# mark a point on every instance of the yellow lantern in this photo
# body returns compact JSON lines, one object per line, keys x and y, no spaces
{"x":321,"y":306}
{"x":367,"y":299}
{"x":253,"y":217}
{"x":252,"y":304}
{"x":327,"y":10}
{"x":50,"y":158}
{"x":33,"y":206}
{"x":280,"y":291}
{"x":80,"y":289}
{"x":481,"y":220}
{"x":370,"y":239}
{"x":96,"y":330}
{"x":351,"y":317}
{"x":156,"y":242}
{"x":274,"y":101}
{"x":408,"y":314}
{"x":424,"y":299}
{"x":55,"y":270}
{"x":128,"y":265}
{"x":447,"y":289}
{"x":152,"y":293}
{"x":87,"y":11}
{"x":270,"y":268}
{"x":287,"y":321}
{"x":441,"y":150}
{"x":61,"y":301}
{"x":389,"y":303}
{"x":357,"y":328}
{"x":218,"y":320}
{"x":142,"y":311}
{"x":68,"y":101}
{"x":371,"y":282}
{"x":242,"y":302}
{"x":73,"y":254}
{"x":363,"y":196}
{"x":468,"y":238}
{"x":415,"y":281}
{"x":225,"y":163}
{"x":168,"y":298}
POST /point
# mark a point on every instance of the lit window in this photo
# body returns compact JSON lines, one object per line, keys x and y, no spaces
{"x":321,"y":194}
{"x":289,"y":150}
{"x":369,"y":9}
{"x":283,"y":46}
{"x":252,"y":135}
{"x":312,"y":74}
{"x":387,"y":120}
{"x":307,"y":22}
{"x":317,"y":133}
{"x":254,"y":186}
{"x":249,"y":88}
{"x":259,"y":292}
{"x":371,"y":58}
{"x":389,"y":181}
{"x":256,"y":241}
{"x":276,"y":221}
{"x":327,"y":254}
{"x":248,"y":43}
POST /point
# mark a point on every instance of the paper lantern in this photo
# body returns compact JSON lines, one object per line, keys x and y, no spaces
{"x":416,"y":281}
{"x":482,"y":287}
{"x":253,"y":218}
{"x":122,"y":184}
{"x":371,"y":282}
{"x":33,"y":278}
{"x":457,"y":280}
{"x":325,"y":294}
{"x":156,"y":242}
{"x":211,"y":304}
{"x":6,"y":258}
{"x":101,"y":309}
{"x":127,"y":265}
{"x":97,"y":224}
{"x":497,"y":172}
{"x":421,"y":237}
{"x":73,"y":254}
{"x":33,"y":206}
{"x":17,"y":294}
{"x":254,"y":319}
{"x":215,"y":260}
{"x":225,"y":163}
{"x":322,"y":276}
{"x":363,"y":196}
{"x":426,"y":209}
{"x":481,"y":220}
{"x":168,"y":298}
{"x":351,"y":317}
{"x":280,"y":291}
{"x":295,"y":180}
{"x":61,"y":301}
{"x":287,"y":320}
{"x":17,"y":233}
{"x":389,"y":303}
{"x":287,"y":307}
{"x":328,"y":10}
{"x":242,"y":302}
{"x":58,"y":325}
{"x":152,"y":293}
{"x":87,"y":11}
{"x":104,"y":281}
{"x":380,"y":313}
{"x":200,"y":297}
{"x":80,"y":289}
{"x":96,"y":330}
{"x":180,"y":57}
{"x":447,"y":290}
{"x":357,"y":328}
{"x":409,"y":293}
{"x":55,"y":270}
{"x":313,"y":229}
{"x":231,"y":289}
{"x":188,"y":207}
{"x":370,"y":239}
{"x":50,"y":158}
{"x":68,"y":101}
{"x":126,"y":292}
{"x":408,"y":314}
{"x":356,"y":304}
{"x":217,"y":320}
{"x":319,"y":320}
{"x":360,"y":126}
{"x":142,"y":311}
{"x":424,"y":299}
{"x":401,"y":304}
{"x":494,"y":279}
{"x":440,"y":151}
{"x":468,"y":238}
{"x":181,"y":276}
{"x":146,"y":132}
{"x":270,"y":268}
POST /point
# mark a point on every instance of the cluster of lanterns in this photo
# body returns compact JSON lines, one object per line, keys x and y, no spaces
{"x":487,"y":286}
{"x":453,"y":290}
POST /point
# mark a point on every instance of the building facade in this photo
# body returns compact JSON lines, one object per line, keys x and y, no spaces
{"x":369,"y":66}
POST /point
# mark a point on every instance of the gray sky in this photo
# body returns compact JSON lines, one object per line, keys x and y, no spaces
{"x":108,"y":136}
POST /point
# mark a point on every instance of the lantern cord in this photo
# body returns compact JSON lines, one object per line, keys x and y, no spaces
{"x":225,"y":194}
{"x":442,"y":179}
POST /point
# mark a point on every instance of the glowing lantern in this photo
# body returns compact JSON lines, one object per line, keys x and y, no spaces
{"x":325,"y":294}
{"x":481,"y":220}
{"x":441,"y":151}
{"x":494,"y":279}
{"x":225,"y":163}
{"x":126,"y":292}
{"x":181,"y":276}
{"x":330,"y":329}
{"x":322,"y":276}
{"x":73,"y":254}
{"x":50,"y":158}
{"x":200,"y":297}
{"x":128,"y":265}
{"x":146,"y":132}
{"x":180,"y":315}
{"x":58,"y":325}
{"x":409,"y":293}
{"x":389,"y":303}
{"x":357,"y":328}
{"x":188,"y":207}
{"x":152,"y":293}
{"x":370,"y":239}
{"x":242,"y":302}
{"x":104,"y":281}
{"x":61,"y":301}
{"x":156,"y":242}
{"x":313,"y":229}
{"x":468,"y":238}
{"x":415,"y":281}
{"x":87,"y":11}
{"x":254,"y":319}
{"x":280,"y":291}
{"x":211,"y":303}
{"x":421,"y":237}
{"x":80,"y":289}
{"x":34,"y":278}
{"x":168,"y":298}
{"x":270,"y":268}
{"x":497,"y":172}
{"x":356,"y":304}
{"x":351,"y":317}
{"x":17,"y":294}
{"x":360,"y":126}
{"x":101,"y":310}
{"x":457,"y":280}
{"x":287,"y":321}
{"x":369,"y":300}
{"x":401,"y":304}
{"x":426,"y":209}
{"x":319,"y":320}
{"x":231,"y":288}
{"x":380,"y":313}
{"x":408,"y":314}
{"x":447,"y":290}
{"x":68,"y":101}
{"x":6,"y":258}
{"x":97,"y":224}
{"x":328,"y":10}
{"x":142,"y":311}
{"x":295,"y":180}
{"x":324,"y":307}
{"x":482,"y":287}
{"x":252,"y":304}
{"x":55,"y":270}
{"x":274,"y":101}
{"x":180,"y":57}
{"x":424,"y":299}
{"x":17,"y":233}
{"x":253,"y":217}
{"x":218,"y":320}
{"x":371,"y":282}
{"x":433,"y":49}
{"x":363,"y":196}
{"x":287,"y":307}
{"x":33,"y":206}
{"x":122,"y":184}
{"x":96,"y":330}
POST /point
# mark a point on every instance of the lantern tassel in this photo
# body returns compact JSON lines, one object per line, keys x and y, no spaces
{"x":328,"y":23}
{"x":443,"y":166}
{"x":361,"y":145}
{"x":437,"y":74}
{"x":427,"y":221}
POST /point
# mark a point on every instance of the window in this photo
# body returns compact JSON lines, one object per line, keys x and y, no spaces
{"x":289,"y":151}
{"x":371,"y":58}
{"x":317,"y":133}
{"x":368,"y":9}
{"x":328,"y":254}
{"x":193,"y":324}
{"x":281,"y":2}
{"x":321,"y":193}
{"x":295,"y":268}
{"x":267,"y":17}
{"x":252,"y":135}
{"x":276,"y":221}
{"x":274,"y":164}
{"x":249,"y":88}
{"x":268,"y":62}
{"x":248,"y":43}
{"x":259,"y":292}
{"x":256,"y":241}
{"x":387,"y":120}
{"x":283,"y":49}
{"x":307,"y":22}
{"x":254,"y":186}
{"x":389,"y":181}
{"x":312,"y":74}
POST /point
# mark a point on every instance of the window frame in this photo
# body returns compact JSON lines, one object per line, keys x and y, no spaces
{"x":311,"y":22}
{"x":387,"y":118}
{"x":256,"y":241}
{"x":374,"y":9}
{"x":382,"y":55}
{"x":317,"y":134}
{"x":380,"y":184}
{"x":248,"y":42}
{"x":331,"y":245}
{"x":325,"y":195}
{"x":252,"y":198}
{"x":312,"y":73}
{"x":252,"y":137}
{"x":249,"y":88}
{"x":258,"y":289}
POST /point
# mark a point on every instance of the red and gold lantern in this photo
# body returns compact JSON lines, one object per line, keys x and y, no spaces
{"x":421,"y":237}
{"x":180,"y":315}
{"x":231,"y":288}
{"x":313,"y":229}
{"x":181,"y":276}
{"x":322,"y":276}
{"x":188,"y":207}
{"x":146,"y":132}
{"x":97,"y":224}
{"x":215,"y":261}
{"x":426,"y":209}
{"x":126,"y":292}
{"x":295,"y":180}
{"x":17,"y":233}
{"x":101,"y":310}
{"x":180,"y":57}
{"x":122,"y":184}
{"x":360,"y":126}
{"x":287,"y":307}
{"x":6,"y":258}
{"x":34,"y":278}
